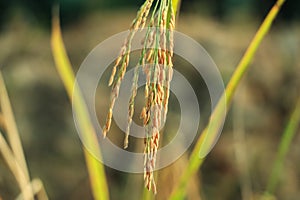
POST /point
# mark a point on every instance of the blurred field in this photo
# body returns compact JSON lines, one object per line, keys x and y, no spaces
{"x":239,"y":165}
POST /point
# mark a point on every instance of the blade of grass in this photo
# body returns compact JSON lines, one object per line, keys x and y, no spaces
{"x":15,"y":168}
{"x":240,"y":146}
{"x":176,"y":6}
{"x":207,"y":135}
{"x":11,"y":128}
{"x":95,"y":168}
{"x":286,"y":140}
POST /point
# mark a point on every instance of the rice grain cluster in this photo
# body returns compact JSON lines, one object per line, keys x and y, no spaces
{"x":156,"y":63}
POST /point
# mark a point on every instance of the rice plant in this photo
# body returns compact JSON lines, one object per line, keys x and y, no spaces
{"x":156,"y":61}
{"x":156,"y":96}
{"x":158,"y":19}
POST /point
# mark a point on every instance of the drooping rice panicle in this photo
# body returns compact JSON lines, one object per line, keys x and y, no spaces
{"x":152,"y":135}
{"x":156,"y":62}
{"x":124,"y":56}
{"x":142,"y":62}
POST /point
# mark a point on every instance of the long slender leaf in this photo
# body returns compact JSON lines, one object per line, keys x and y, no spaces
{"x":286,"y":140}
{"x":176,"y":6}
{"x":95,"y":168}
{"x":207,"y":134}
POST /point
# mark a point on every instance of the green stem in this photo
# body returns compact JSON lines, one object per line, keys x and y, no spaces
{"x":286,"y":140}
{"x":176,"y":6}
{"x":196,"y":162}
{"x":248,"y":56}
{"x":63,"y":65}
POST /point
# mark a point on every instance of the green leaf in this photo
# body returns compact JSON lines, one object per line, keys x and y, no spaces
{"x":95,"y":167}
{"x":215,"y":121}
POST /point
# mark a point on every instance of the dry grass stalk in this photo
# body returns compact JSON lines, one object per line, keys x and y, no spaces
{"x":11,"y":128}
{"x":15,"y":168}
{"x":38,"y":189}
{"x":156,"y":62}
{"x":2,"y":122}
{"x":9,"y":125}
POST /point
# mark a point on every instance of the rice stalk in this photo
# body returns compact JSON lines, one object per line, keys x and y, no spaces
{"x":2,"y":122}
{"x":285,"y":143}
{"x":95,"y":168}
{"x":9,"y":124}
{"x":156,"y":62}
{"x":11,"y":128}
{"x":240,"y":146}
{"x":216,"y":118}
{"x":38,"y":189}
{"x":15,"y":168}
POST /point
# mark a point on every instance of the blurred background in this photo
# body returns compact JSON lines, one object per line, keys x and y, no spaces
{"x":237,"y":168}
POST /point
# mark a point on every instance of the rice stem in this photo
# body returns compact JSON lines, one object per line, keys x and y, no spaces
{"x":285,"y":143}
{"x":63,"y":65}
{"x":196,"y":162}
